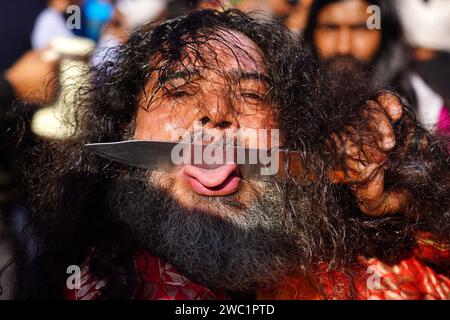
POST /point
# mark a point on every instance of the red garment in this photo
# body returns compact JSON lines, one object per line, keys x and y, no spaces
{"x":160,"y":281}
{"x":163,"y":282}
{"x":410,"y":279}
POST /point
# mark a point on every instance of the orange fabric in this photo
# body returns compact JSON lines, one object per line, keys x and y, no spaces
{"x":371,"y":279}
{"x":409,"y":279}
{"x":433,"y":249}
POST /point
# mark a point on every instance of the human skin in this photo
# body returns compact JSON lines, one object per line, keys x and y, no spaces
{"x":34,"y":78}
{"x":209,"y":97}
{"x":61,"y":5}
{"x":342,"y":30}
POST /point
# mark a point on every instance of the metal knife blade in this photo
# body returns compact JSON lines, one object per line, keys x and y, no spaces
{"x":255,"y":164}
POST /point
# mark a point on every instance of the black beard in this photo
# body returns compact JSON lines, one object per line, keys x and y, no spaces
{"x":232,"y":252}
{"x":342,"y":65}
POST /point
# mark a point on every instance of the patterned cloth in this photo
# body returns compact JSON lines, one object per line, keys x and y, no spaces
{"x":163,"y":282}
{"x":160,"y":281}
{"x":409,"y":279}
{"x":371,"y":279}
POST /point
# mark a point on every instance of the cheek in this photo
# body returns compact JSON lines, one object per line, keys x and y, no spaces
{"x":261,"y":117}
{"x":366,"y":45}
{"x":279,"y":8}
{"x":325,"y":43}
{"x":260,"y":130}
{"x":150,"y":126}
{"x":164,"y":124}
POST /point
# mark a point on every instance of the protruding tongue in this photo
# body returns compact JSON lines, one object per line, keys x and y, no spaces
{"x":212,"y":180}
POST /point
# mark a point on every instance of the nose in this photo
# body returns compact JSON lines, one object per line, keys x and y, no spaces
{"x":214,"y":127}
{"x":344,"y":44}
{"x":218,"y":113}
{"x":225,"y":122}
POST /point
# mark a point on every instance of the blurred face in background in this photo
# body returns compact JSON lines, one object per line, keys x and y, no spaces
{"x":61,"y":5}
{"x":279,"y":8}
{"x":293,"y":13}
{"x":212,"y":4}
{"x":342,"y":31}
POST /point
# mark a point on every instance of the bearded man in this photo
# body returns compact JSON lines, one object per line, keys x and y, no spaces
{"x":337,"y":33}
{"x":367,"y":186}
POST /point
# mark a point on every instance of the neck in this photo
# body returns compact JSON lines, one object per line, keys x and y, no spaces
{"x":423,"y":54}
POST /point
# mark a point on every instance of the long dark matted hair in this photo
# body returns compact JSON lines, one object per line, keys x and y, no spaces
{"x":68,"y":186}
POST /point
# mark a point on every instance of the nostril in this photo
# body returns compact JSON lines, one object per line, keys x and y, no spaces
{"x":224,"y":124}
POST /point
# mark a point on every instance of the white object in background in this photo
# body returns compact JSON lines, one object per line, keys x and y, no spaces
{"x":426,"y":23}
{"x":138,"y":12}
{"x":56,"y":122}
{"x":50,"y":24}
{"x":75,"y":46}
{"x":429,"y":103}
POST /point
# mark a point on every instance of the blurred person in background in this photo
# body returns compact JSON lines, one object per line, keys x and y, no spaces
{"x":177,"y":8}
{"x":134,"y":13}
{"x":427,"y":30}
{"x":31,"y":80}
{"x":129,"y":15}
{"x":338,"y":34}
{"x":292,"y":13}
{"x":97,"y":13}
{"x":52,"y":23}
{"x":14,"y":32}
{"x":214,"y":4}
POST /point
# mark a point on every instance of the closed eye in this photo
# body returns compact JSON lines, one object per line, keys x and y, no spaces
{"x":252,"y":96}
{"x":328,"y":27}
{"x":179,"y":94}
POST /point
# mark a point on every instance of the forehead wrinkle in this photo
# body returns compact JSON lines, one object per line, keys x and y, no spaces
{"x":241,"y":59}
{"x":226,"y":49}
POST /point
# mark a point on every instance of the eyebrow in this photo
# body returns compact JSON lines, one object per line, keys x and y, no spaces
{"x":253,"y":76}
{"x":188,"y":73}
{"x":338,"y":25}
{"x":183,"y":74}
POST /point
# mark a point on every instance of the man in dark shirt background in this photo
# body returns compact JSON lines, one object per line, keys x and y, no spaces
{"x":16,"y":23}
